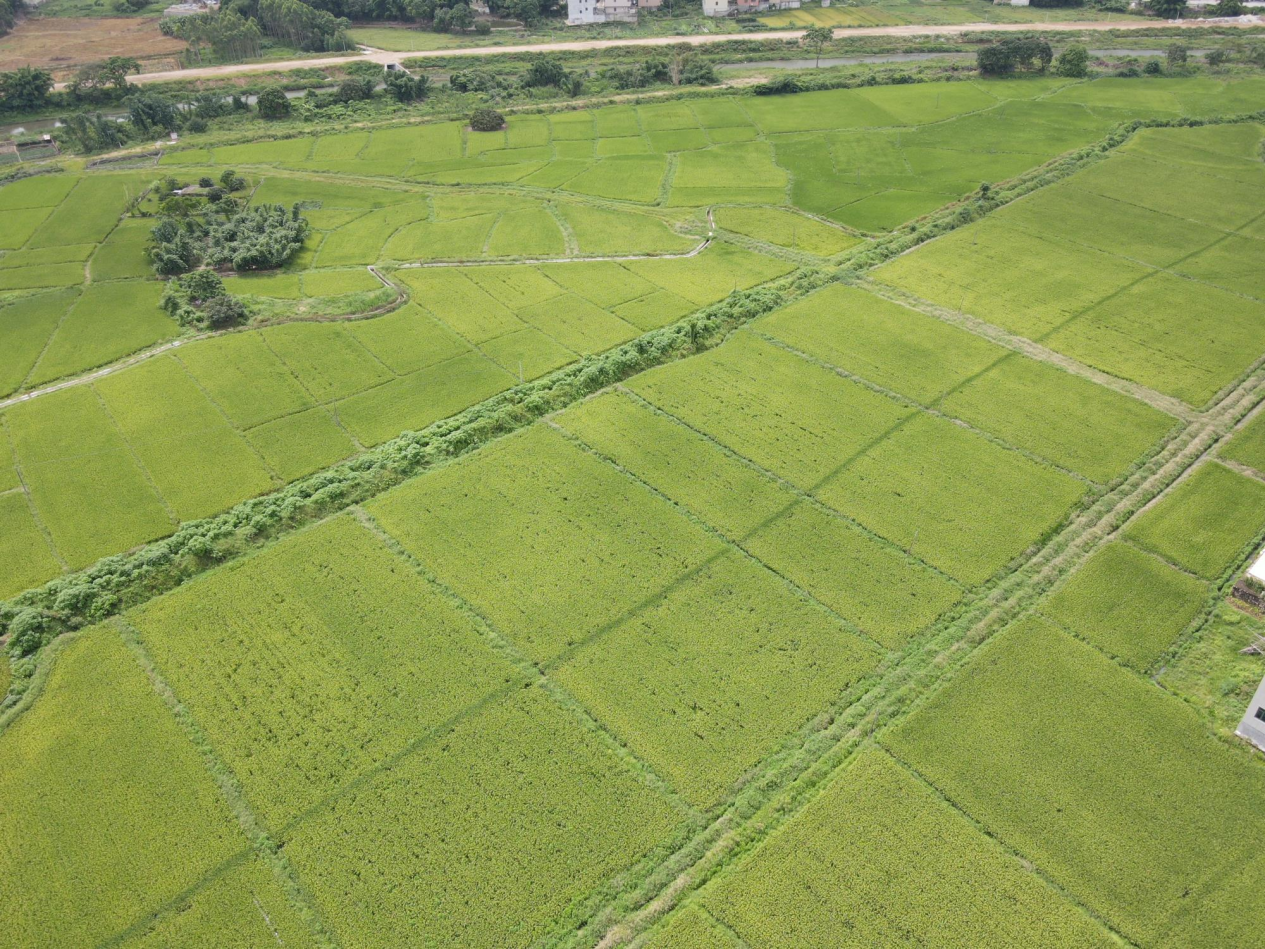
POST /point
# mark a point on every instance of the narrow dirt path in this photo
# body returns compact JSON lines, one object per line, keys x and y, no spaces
{"x":237,"y":69}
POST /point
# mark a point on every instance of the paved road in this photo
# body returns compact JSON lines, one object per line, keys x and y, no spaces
{"x":207,"y":72}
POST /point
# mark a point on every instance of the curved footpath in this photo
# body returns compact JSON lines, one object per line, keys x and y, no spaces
{"x":378,"y":56}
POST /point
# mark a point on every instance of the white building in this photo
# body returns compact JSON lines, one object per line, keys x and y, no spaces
{"x":1252,"y":728}
{"x":736,"y":7}
{"x":601,"y":11}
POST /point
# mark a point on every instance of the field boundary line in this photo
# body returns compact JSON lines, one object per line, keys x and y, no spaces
{"x":1029,"y":864}
{"x":803,"y":494}
{"x":535,"y":672}
{"x":257,"y":835}
{"x":734,"y":545}
{"x":136,"y":459}
{"x":932,"y":410}
{"x":1167,"y":404}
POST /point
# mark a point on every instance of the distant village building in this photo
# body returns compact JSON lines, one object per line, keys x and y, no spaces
{"x":191,"y":7}
{"x":1252,"y":728}
{"x":741,"y":7}
{"x":580,"y":12}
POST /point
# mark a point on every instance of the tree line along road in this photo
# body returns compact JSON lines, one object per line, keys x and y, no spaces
{"x":379,"y":56}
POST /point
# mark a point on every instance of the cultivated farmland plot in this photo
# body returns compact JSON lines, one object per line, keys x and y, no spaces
{"x":736,"y":592}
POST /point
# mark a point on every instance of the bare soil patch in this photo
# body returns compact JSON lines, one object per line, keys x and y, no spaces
{"x":63,"y":44}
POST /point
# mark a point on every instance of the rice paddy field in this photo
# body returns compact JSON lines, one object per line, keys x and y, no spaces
{"x":821,"y":585}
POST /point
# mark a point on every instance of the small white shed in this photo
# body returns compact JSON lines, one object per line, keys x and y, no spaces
{"x":1252,"y":728}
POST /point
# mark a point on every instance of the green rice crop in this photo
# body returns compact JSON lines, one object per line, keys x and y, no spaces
{"x":441,"y":240}
{"x":25,"y":556}
{"x":1113,"y":788}
{"x":705,"y":681}
{"x":616,"y":121}
{"x":244,"y":377}
{"x":242,"y":907}
{"x":44,"y":256}
{"x":691,"y":928}
{"x":40,"y":277}
{"x":788,"y":415}
{"x":890,"y":345}
{"x":527,"y":353}
{"x":194,"y":457}
{"x":786,"y":229}
{"x":606,"y":231}
{"x":299,"y":444}
{"x":625,"y":145}
{"x":531,"y":232}
{"x":522,"y":531}
{"x":1127,"y":603}
{"x":106,"y":322}
{"x":572,"y":125}
{"x":626,"y":177}
{"x":678,"y":140}
{"x":720,"y":113}
{"x":580,"y":150}
{"x":117,"y":259}
{"x":339,"y":147}
{"x":841,"y":873}
{"x":282,"y":151}
{"x":412,"y":402}
{"x":1204,"y":522}
{"x":284,"y":286}
{"x":1180,"y":337}
{"x":667,"y":115}
{"x":89,"y":509}
{"x":100,"y":766}
{"x":363,"y":240}
{"x":314,"y":662}
{"x":329,"y":194}
{"x":407,"y":340}
{"x":1066,"y":419}
{"x":325,"y":358}
{"x":515,"y":286}
{"x":36,"y":191}
{"x":577,"y":324}
{"x":1248,"y":444}
{"x":713,"y":274}
{"x":525,"y":131}
{"x":654,"y":310}
{"x":952,"y":497}
{"x":20,"y":225}
{"x":970,"y":270}
{"x":89,"y":212}
{"x":885,"y":593}
{"x":25,"y":328}
{"x":603,"y":282}
{"x":331,"y":283}
{"x":460,"y":303}
{"x":484,"y":837}
{"x":1227,"y":264}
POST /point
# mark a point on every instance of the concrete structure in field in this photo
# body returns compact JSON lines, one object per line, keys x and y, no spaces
{"x":1252,"y":728}
{"x":580,"y":12}
{"x":738,"y":7}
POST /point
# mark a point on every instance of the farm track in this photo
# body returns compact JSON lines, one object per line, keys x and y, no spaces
{"x":211,"y":72}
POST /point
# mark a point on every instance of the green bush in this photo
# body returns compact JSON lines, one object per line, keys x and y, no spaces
{"x":487,"y":120}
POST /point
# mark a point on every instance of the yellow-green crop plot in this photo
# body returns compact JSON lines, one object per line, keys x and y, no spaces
{"x":103,"y":770}
{"x":842,"y":873}
{"x":1204,"y":523}
{"x":1105,"y":782}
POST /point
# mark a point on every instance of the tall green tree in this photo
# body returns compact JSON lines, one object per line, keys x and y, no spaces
{"x":816,"y":37}
{"x":25,"y":89}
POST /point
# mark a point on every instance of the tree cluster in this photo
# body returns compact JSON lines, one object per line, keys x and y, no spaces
{"x":229,"y":35}
{"x":487,"y":120}
{"x":198,"y":299}
{"x":1026,"y":53}
{"x":682,"y":68}
{"x":256,"y":238}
